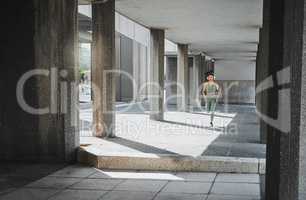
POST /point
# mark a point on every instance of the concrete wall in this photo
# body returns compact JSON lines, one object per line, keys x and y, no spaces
{"x":171,"y":78}
{"x":133,"y":61}
{"x":125,"y":87}
{"x":237,"y":91}
{"x":85,"y":10}
{"x":170,"y":47}
{"x":141,"y":69}
{"x":237,"y":79}
{"x":132,"y":30}
{"x":132,"y":56}
{"x":124,"y":26}
{"x":235,"y":70}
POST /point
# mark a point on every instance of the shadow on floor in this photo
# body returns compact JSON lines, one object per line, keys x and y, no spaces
{"x":16,"y":175}
{"x":240,"y":138}
{"x":215,"y":128}
{"x":207,"y":114}
{"x":144,"y":148}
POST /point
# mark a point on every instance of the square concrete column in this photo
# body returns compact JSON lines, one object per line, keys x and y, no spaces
{"x":202,"y":74}
{"x":39,"y":81}
{"x":262,"y":66}
{"x":286,"y":136}
{"x":182,"y":77}
{"x":204,"y":66}
{"x":210,"y":66}
{"x":262,"y":69}
{"x":103,"y":68}
{"x":196,"y":81}
{"x":157,"y":75}
{"x":203,"y":69}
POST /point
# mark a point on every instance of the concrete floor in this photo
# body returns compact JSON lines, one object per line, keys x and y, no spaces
{"x":180,"y":133}
{"x":235,"y":132}
{"x":55,"y":182}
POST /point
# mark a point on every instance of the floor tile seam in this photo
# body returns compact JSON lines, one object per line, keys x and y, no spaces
{"x":188,"y":193}
{"x":116,"y":185}
{"x":235,"y":195}
{"x":189,"y":181}
{"x":212,"y":185}
{"x":79,"y":177}
{"x":59,"y":190}
{"x":103,"y":195}
{"x":95,"y":189}
{"x":240,"y":182}
{"x":160,"y":190}
{"x":65,"y":189}
{"x":55,"y":194}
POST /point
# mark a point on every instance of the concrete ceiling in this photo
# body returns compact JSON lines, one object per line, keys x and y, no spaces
{"x":223,"y":29}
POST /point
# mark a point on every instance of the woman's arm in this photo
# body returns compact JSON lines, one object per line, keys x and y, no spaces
{"x":218,"y":91}
{"x":204,"y":89}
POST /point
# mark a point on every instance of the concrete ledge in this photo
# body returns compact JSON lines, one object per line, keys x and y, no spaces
{"x":166,"y":162}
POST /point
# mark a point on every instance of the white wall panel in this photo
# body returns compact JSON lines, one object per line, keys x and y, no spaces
{"x":235,"y":70}
{"x":141,"y":34}
{"x":126,"y":27}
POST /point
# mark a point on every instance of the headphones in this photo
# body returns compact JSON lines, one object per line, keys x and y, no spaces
{"x":210,"y":74}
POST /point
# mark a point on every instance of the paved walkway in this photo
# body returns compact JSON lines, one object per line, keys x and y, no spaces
{"x":235,"y":133}
{"x":53,"y":182}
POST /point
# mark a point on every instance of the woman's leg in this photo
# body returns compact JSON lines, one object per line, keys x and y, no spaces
{"x":212,"y":109}
{"x":208,"y":105}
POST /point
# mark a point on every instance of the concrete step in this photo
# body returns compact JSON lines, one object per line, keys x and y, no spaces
{"x":117,"y":160}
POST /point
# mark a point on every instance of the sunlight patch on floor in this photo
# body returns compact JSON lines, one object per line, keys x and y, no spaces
{"x":138,"y":175}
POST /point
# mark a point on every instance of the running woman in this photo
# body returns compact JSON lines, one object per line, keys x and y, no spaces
{"x":211,"y":93}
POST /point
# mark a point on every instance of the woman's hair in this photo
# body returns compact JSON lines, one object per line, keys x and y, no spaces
{"x":210,"y":74}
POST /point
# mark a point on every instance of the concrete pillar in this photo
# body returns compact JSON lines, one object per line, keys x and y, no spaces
{"x":262,"y":69}
{"x":118,"y":64}
{"x":203,"y":68}
{"x":104,"y":80}
{"x":210,"y":66}
{"x":262,"y":66}
{"x":182,"y":77}
{"x":157,"y":76}
{"x":286,"y":139}
{"x":196,"y":81}
{"x":40,"y":46}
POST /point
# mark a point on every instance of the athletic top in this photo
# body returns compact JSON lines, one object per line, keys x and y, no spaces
{"x":211,"y":90}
